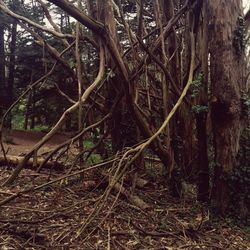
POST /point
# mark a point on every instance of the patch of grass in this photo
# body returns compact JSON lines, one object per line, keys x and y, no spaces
{"x":40,"y":128}
{"x":87,"y":144}
{"x":18,"y":121}
{"x":94,"y":159}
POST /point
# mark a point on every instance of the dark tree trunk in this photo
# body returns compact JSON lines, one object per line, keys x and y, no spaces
{"x":201,"y":118}
{"x":32,"y":110}
{"x":227,"y":68}
{"x":27,"y":112}
{"x":10,"y":84}
{"x":122,"y":126}
{"x":203,"y":170}
{"x":2,"y":72}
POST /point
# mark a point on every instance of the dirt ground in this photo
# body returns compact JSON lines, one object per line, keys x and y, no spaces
{"x":20,"y":142}
{"x":63,"y":214}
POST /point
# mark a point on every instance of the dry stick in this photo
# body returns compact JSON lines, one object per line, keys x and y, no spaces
{"x":103,"y":198}
{"x":63,"y":94}
{"x":5,"y":9}
{"x":71,"y":109}
{"x":12,"y":197}
{"x":200,"y":245}
{"x":30,"y":87}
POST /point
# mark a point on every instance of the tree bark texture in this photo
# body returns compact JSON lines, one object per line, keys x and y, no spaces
{"x":2,"y":71}
{"x":226,"y":86}
{"x":11,"y":77}
{"x":201,"y":118}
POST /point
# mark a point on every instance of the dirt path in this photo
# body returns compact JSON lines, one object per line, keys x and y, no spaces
{"x":20,"y":142}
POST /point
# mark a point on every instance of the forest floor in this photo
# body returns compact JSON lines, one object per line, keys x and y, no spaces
{"x":19,"y":142}
{"x":53,"y":216}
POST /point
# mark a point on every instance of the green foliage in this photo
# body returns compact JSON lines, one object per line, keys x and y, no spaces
{"x":87,"y":144}
{"x":18,"y":116}
{"x":196,"y":85}
{"x":40,"y":128}
{"x":108,"y":146}
{"x":239,"y":40}
{"x":197,"y":109}
{"x":18,"y":121}
{"x":94,"y":159}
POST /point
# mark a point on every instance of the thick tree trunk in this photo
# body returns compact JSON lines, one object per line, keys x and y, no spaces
{"x":10,"y":84}
{"x":201,"y":118}
{"x":28,"y":105}
{"x":203,"y":170}
{"x":122,"y":126}
{"x":2,"y":71}
{"x":32,"y":111}
{"x":226,"y":86}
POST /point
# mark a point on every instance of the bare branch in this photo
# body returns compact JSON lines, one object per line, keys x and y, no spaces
{"x":5,"y":9}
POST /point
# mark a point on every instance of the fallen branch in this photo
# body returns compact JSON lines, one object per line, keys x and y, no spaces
{"x":15,"y":160}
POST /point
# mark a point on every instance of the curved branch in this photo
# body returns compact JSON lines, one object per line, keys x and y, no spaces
{"x":90,"y":23}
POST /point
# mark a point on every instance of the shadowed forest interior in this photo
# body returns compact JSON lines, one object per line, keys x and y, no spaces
{"x":124,"y":124}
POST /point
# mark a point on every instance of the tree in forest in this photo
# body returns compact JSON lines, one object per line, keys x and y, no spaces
{"x":228,"y":86}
